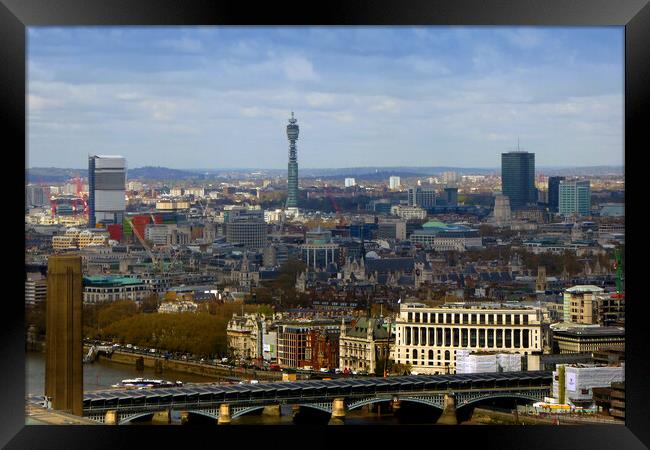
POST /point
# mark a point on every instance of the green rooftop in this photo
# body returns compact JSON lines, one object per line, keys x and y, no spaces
{"x":110,"y":280}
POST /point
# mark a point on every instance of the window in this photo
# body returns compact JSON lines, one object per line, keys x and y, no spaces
{"x":415,"y":355}
{"x":482,"y":319}
{"x":410,"y":317}
{"x":517,"y":319}
{"x":490,"y":337}
{"x":417,"y":317}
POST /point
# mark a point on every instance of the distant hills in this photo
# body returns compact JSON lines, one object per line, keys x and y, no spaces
{"x":59,"y":175}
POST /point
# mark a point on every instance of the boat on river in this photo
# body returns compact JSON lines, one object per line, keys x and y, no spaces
{"x":146,"y":383}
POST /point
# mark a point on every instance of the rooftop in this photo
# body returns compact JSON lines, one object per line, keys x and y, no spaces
{"x":110,"y":280}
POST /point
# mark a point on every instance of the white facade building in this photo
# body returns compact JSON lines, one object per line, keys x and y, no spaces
{"x":394,"y":182}
{"x":428,"y":338}
{"x":349,"y":182}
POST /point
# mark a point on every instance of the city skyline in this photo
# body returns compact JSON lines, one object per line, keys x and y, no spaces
{"x":408,"y":96}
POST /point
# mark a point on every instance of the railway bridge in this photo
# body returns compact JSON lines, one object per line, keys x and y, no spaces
{"x":226,"y":402}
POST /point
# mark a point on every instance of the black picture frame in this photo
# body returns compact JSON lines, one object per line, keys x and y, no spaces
{"x":16,"y":15}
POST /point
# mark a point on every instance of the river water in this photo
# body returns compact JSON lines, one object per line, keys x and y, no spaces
{"x":101,"y":374}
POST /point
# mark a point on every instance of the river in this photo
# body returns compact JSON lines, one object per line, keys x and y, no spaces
{"x":101,"y":374}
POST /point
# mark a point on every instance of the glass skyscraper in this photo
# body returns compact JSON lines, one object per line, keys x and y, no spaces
{"x":292,"y":188}
{"x":554,"y":193}
{"x":518,"y":178}
{"x":575,"y":198}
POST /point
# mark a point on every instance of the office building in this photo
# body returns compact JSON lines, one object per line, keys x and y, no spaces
{"x":37,"y":195}
{"x":350,"y":182}
{"x":106,"y":186}
{"x":318,"y":251}
{"x":442,"y":237}
{"x":100,"y":289}
{"x":589,"y":305}
{"x":588,"y":339}
{"x":451,"y":196}
{"x":554,"y":193}
{"x":299,"y":342}
{"x":575,"y":198}
{"x":518,"y":178}
{"x":501,"y":215}
{"x":408,"y":212}
{"x":394,"y":229}
{"x":35,"y":289}
{"x":246,"y":227}
{"x":292,"y":178}
{"x":422,"y":197}
{"x":394,"y":182}
{"x":450,"y":177}
{"x":429,"y":337}
{"x":64,"y":333}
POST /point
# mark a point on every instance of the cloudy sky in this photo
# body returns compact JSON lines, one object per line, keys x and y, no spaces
{"x":219,"y":97}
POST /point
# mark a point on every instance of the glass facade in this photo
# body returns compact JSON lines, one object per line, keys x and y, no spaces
{"x":518,"y":178}
{"x":575,"y":198}
{"x":554,"y":193}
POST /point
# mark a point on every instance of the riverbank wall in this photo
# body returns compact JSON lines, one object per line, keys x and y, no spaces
{"x":196,"y":368}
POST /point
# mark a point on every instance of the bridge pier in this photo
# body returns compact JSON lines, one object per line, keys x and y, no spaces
{"x":111,"y":417}
{"x":161,"y":418}
{"x":448,"y":416}
{"x":338,"y":412}
{"x":185,"y":417}
{"x":272,"y":410}
{"x":224,"y":414}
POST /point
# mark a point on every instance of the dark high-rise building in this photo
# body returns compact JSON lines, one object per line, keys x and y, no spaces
{"x":451,"y":196}
{"x":292,"y":191}
{"x":554,"y":193}
{"x":106,"y":190}
{"x":63,"y":339}
{"x":518,"y":178}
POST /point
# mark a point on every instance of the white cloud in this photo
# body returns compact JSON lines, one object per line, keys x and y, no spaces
{"x":317,"y":99}
{"x":297,"y":68}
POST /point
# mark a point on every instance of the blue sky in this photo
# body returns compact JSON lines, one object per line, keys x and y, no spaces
{"x":219,"y":97}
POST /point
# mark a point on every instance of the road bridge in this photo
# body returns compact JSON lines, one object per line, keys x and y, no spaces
{"x":226,"y":402}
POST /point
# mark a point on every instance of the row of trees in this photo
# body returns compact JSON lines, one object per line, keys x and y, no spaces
{"x":202,"y":333}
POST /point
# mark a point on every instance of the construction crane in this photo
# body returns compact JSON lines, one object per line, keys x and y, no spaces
{"x":155,"y":261}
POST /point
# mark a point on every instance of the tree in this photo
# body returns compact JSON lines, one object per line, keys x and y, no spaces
{"x":401,"y":369}
{"x":150,"y":304}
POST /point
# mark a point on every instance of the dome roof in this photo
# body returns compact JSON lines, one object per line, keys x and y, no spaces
{"x":372,"y":255}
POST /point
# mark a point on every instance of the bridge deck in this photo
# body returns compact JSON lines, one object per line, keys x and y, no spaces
{"x":275,"y":392}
